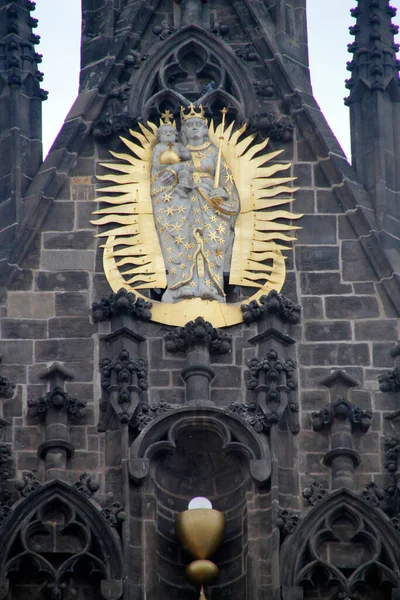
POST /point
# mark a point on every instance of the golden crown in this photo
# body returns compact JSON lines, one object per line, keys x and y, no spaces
{"x":199,"y":114}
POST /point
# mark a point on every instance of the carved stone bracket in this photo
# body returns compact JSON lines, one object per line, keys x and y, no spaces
{"x":342,"y":418}
{"x":124,"y":379}
{"x":121,"y":303}
{"x":198,"y":339}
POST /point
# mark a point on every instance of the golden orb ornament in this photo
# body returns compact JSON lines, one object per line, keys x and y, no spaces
{"x":169,"y":157}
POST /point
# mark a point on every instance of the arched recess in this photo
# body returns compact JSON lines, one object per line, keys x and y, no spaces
{"x":343,"y":547}
{"x":200,"y":451}
{"x":235,"y":434}
{"x":218,"y":66}
{"x":56,"y":544}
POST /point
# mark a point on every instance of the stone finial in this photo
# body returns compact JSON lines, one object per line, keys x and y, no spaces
{"x":56,"y":408}
{"x":341,"y":417}
{"x":272,"y":304}
{"x":121,"y":303}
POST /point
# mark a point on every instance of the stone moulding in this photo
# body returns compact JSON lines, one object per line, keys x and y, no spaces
{"x":236,"y":436}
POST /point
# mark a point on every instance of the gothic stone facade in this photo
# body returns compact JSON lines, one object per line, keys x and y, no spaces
{"x":288,"y":422}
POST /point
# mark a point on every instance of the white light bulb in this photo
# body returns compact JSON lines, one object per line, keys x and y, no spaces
{"x":199,"y":502}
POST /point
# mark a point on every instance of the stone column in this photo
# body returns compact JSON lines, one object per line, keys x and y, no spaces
{"x":342,"y":418}
{"x":56,"y":408}
{"x":198,"y":339}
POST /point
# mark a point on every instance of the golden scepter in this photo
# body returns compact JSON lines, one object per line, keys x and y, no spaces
{"x":221,"y":139}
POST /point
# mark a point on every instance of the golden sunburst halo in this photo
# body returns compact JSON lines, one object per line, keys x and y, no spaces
{"x":132,"y":257}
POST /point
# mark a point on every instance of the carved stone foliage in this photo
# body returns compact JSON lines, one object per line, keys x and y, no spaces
{"x":342,"y":410}
{"x":114,"y":514}
{"x":287,"y":520}
{"x":271,"y":126}
{"x":273,"y":303}
{"x":59,"y":400}
{"x":392,"y":452}
{"x":198,"y":333}
{"x":390,"y":381}
{"x":314,"y":493}
{"x":28,"y":484}
{"x":273,"y":372}
{"x":60,"y":548}
{"x":6,"y":387}
{"x":252,"y":414}
{"x":123,"y":302}
{"x":124,"y":379}
{"x":7,"y":471}
{"x":343,"y":548}
{"x":86,"y":486}
{"x":146,"y":413}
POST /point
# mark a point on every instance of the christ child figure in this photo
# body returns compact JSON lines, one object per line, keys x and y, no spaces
{"x":170,"y":155}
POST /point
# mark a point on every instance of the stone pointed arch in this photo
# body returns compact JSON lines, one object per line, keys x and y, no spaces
{"x":306,"y":557}
{"x":30,"y":520}
{"x":173,"y":48}
{"x":235,"y":434}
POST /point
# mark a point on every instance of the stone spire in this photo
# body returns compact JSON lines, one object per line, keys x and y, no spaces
{"x":374,"y":102}
{"x":20,"y":109}
{"x":374,"y":65}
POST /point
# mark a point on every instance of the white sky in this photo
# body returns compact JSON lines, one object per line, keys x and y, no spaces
{"x":328,"y":21}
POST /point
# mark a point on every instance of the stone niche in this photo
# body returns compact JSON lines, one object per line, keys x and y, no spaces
{"x":200,"y":467}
